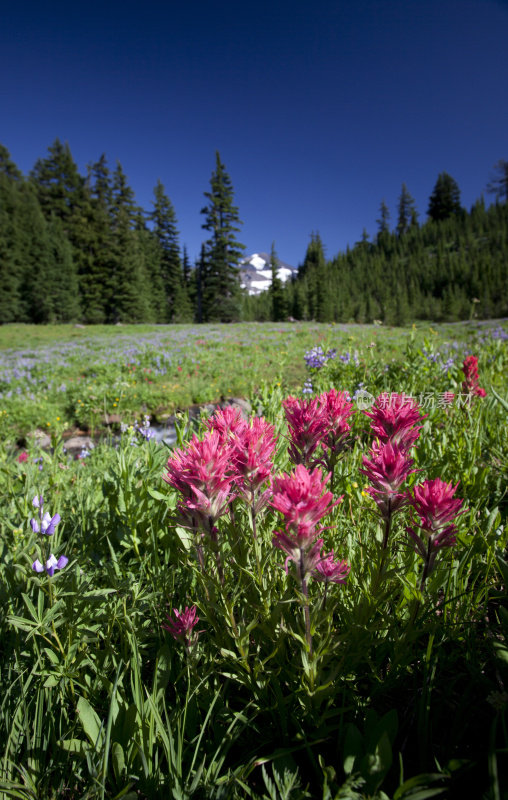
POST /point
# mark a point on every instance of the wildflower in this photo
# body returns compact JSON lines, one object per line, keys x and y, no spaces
{"x":23,"y":456}
{"x":307,"y":427}
{"x":181,"y":628}
{"x":330,"y":570}
{"x":46,"y":523}
{"x":302,"y":500}
{"x":387,"y":469}
{"x":336,"y":410}
{"x":51,"y":564}
{"x":393,"y":417}
{"x":317,"y":358}
{"x":435,"y":504}
{"x":437,"y":509}
{"x":227,"y":422}
{"x":204,"y":475}
{"x":252,"y":455}
{"x":470,"y":384}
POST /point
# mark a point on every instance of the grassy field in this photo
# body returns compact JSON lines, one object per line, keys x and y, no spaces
{"x":312,"y":604}
{"x":57,"y":378}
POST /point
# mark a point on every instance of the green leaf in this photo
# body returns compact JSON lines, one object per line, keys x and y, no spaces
{"x":503,"y":402}
{"x":503,"y":569}
{"x":75,"y":746}
{"x":118,"y":759}
{"x":89,"y":720}
{"x":353,"y":748}
{"x":156,"y":494}
{"x":501,"y":651}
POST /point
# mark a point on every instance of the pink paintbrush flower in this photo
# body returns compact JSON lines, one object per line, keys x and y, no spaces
{"x":227,"y":422}
{"x":336,"y":409}
{"x":435,"y":504}
{"x":307,"y":427}
{"x":386,"y":470}
{"x":437,"y":509}
{"x":252,"y":455}
{"x":330,"y":570}
{"x":203,"y":473}
{"x":393,"y":417}
{"x":181,"y":628}
{"x":471,"y":378}
{"x":302,"y":500}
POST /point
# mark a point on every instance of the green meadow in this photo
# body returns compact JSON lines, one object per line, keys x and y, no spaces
{"x":391,"y":684}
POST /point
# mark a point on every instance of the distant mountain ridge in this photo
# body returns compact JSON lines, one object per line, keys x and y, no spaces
{"x":256,"y":274}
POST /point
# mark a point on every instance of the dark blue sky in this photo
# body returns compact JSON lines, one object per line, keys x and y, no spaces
{"x":319,"y":109}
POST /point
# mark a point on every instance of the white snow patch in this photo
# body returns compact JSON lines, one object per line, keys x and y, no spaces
{"x":257,"y":262}
{"x":284,"y":273}
{"x":259,"y":285}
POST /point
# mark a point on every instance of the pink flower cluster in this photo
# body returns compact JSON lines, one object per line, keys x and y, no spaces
{"x":181,"y":628}
{"x":322,"y":420}
{"x":436,"y":509}
{"x":388,"y":465}
{"x":471,"y":378}
{"x":233,"y":458}
{"x":302,"y":499}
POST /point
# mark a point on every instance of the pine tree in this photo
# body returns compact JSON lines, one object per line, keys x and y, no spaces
{"x":65,"y":301}
{"x":498,"y":185}
{"x":62,"y":193}
{"x":59,"y":186}
{"x":407,"y":215}
{"x":278,"y":307}
{"x":384,"y":219}
{"x":129,"y":290}
{"x":444,"y":201}
{"x":11,"y":259}
{"x":97,"y":263}
{"x":221,"y":284}
{"x":163,"y":218}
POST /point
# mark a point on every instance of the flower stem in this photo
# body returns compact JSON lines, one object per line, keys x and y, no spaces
{"x":306,"y":610}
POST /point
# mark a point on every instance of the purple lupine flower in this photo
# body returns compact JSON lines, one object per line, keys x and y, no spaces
{"x":47,"y":524}
{"x":51,"y":564}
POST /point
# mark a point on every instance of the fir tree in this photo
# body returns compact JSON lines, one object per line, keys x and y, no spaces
{"x":444,"y":201}
{"x":221,"y":284}
{"x":498,"y":185}
{"x":163,"y":218}
{"x":278,"y":305}
{"x":407,"y":215}
{"x":384,"y":219}
{"x":98,"y":266}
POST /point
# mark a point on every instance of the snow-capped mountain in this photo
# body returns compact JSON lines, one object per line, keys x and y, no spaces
{"x":256,"y":275}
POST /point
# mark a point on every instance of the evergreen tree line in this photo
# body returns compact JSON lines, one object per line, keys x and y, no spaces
{"x":452,"y":267}
{"x":79,"y":248}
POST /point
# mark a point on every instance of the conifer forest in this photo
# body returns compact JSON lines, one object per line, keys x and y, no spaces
{"x":78,"y":248}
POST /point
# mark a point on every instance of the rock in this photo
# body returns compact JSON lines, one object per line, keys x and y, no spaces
{"x":111,"y":419}
{"x":41,"y":439}
{"x":76,"y":443}
{"x":241,"y":403}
